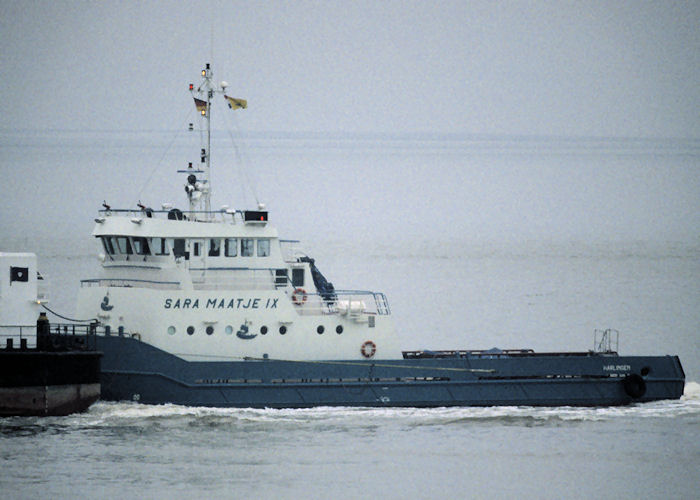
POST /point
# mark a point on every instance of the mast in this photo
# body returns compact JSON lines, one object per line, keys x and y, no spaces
{"x":203,"y":95}
{"x":207,"y":73}
{"x":200,"y":191}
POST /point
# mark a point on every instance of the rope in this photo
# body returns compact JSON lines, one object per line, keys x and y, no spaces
{"x":241,"y":162}
{"x":160,"y":162}
{"x":67,"y":318}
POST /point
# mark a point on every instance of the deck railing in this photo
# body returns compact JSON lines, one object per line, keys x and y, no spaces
{"x":194,"y":215}
{"x":60,"y":337}
{"x":358,"y":304}
{"x":17,"y":336}
{"x":130,"y":283}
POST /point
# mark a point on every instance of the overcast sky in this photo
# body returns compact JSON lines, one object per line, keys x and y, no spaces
{"x":622,"y":68}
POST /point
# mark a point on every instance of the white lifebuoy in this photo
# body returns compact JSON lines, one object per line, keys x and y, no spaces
{"x":299,"y":296}
{"x":368,"y":349}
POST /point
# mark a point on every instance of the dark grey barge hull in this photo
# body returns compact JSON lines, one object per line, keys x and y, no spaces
{"x":48,"y":383}
{"x":135,"y":371}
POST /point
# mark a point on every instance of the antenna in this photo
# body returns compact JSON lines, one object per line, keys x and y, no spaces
{"x":211,"y":42}
{"x":199,"y":191}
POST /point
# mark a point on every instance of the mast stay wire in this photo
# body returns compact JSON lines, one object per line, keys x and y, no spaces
{"x":160,"y":161}
{"x":240,"y":160}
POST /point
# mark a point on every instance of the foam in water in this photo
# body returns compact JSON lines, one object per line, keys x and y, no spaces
{"x":108,"y":414}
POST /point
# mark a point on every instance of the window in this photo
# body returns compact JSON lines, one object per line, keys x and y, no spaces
{"x":263,"y":248}
{"x":160,"y":246}
{"x":141,"y":246}
{"x":214,"y":248}
{"x":179,"y":247}
{"x":124,"y":245}
{"x":247,"y":247}
{"x":280,"y":277}
{"x":297,"y":277}
{"x":107,"y":243}
{"x":230,"y":247}
{"x":196,"y":246}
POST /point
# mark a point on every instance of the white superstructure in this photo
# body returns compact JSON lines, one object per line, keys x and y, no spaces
{"x":219,"y":285}
{"x":20,"y":297}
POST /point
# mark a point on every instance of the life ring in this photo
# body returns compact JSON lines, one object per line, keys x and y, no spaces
{"x":635,"y":386}
{"x":368,"y":349}
{"x":299,"y":296}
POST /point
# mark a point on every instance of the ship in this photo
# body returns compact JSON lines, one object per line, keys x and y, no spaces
{"x":205,"y":307}
{"x":46,"y":369}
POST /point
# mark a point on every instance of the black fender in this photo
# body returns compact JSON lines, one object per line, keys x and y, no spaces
{"x":635,"y":386}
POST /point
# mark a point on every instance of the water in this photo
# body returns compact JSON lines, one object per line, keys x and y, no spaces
{"x":477,"y":242}
{"x":129,"y":450}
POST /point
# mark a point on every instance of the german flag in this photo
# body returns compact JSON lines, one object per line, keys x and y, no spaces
{"x":200,"y":105}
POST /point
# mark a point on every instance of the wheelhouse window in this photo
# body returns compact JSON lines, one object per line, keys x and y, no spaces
{"x":124,"y":245}
{"x":141,"y":246}
{"x":179,"y":247}
{"x":107,"y":244}
{"x":247,"y":247}
{"x":263,"y":248}
{"x":214,"y":247}
{"x":230,"y":247}
{"x":160,"y":246}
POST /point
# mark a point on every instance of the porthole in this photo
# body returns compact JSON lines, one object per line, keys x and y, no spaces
{"x":228,"y":329}
{"x":339,"y":329}
{"x":190,"y":330}
{"x":171,"y":330}
{"x":263,"y":330}
{"x":283,"y":330}
{"x":210,"y":330}
{"x":320,"y":329}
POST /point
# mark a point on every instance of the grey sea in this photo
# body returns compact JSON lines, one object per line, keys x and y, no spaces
{"x":478,"y":242}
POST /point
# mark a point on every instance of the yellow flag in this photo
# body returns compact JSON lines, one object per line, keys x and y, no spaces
{"x":234,"y":103}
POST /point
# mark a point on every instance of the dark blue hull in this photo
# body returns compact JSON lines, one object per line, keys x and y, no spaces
{"x":135,"y":371}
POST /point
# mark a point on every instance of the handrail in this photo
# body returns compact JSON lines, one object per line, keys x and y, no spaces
{"x":498,"y":353}
{"x":125,"y":282}
{"x":20,"y":333}
{"x":59,"y":337}
{"x":358,"y":304}
{"x":187,"y":215}
{"x":135,"y":211}
{"x":92,"y":280}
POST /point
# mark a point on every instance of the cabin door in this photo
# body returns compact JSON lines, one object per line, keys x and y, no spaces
{"x":198,"y":261}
